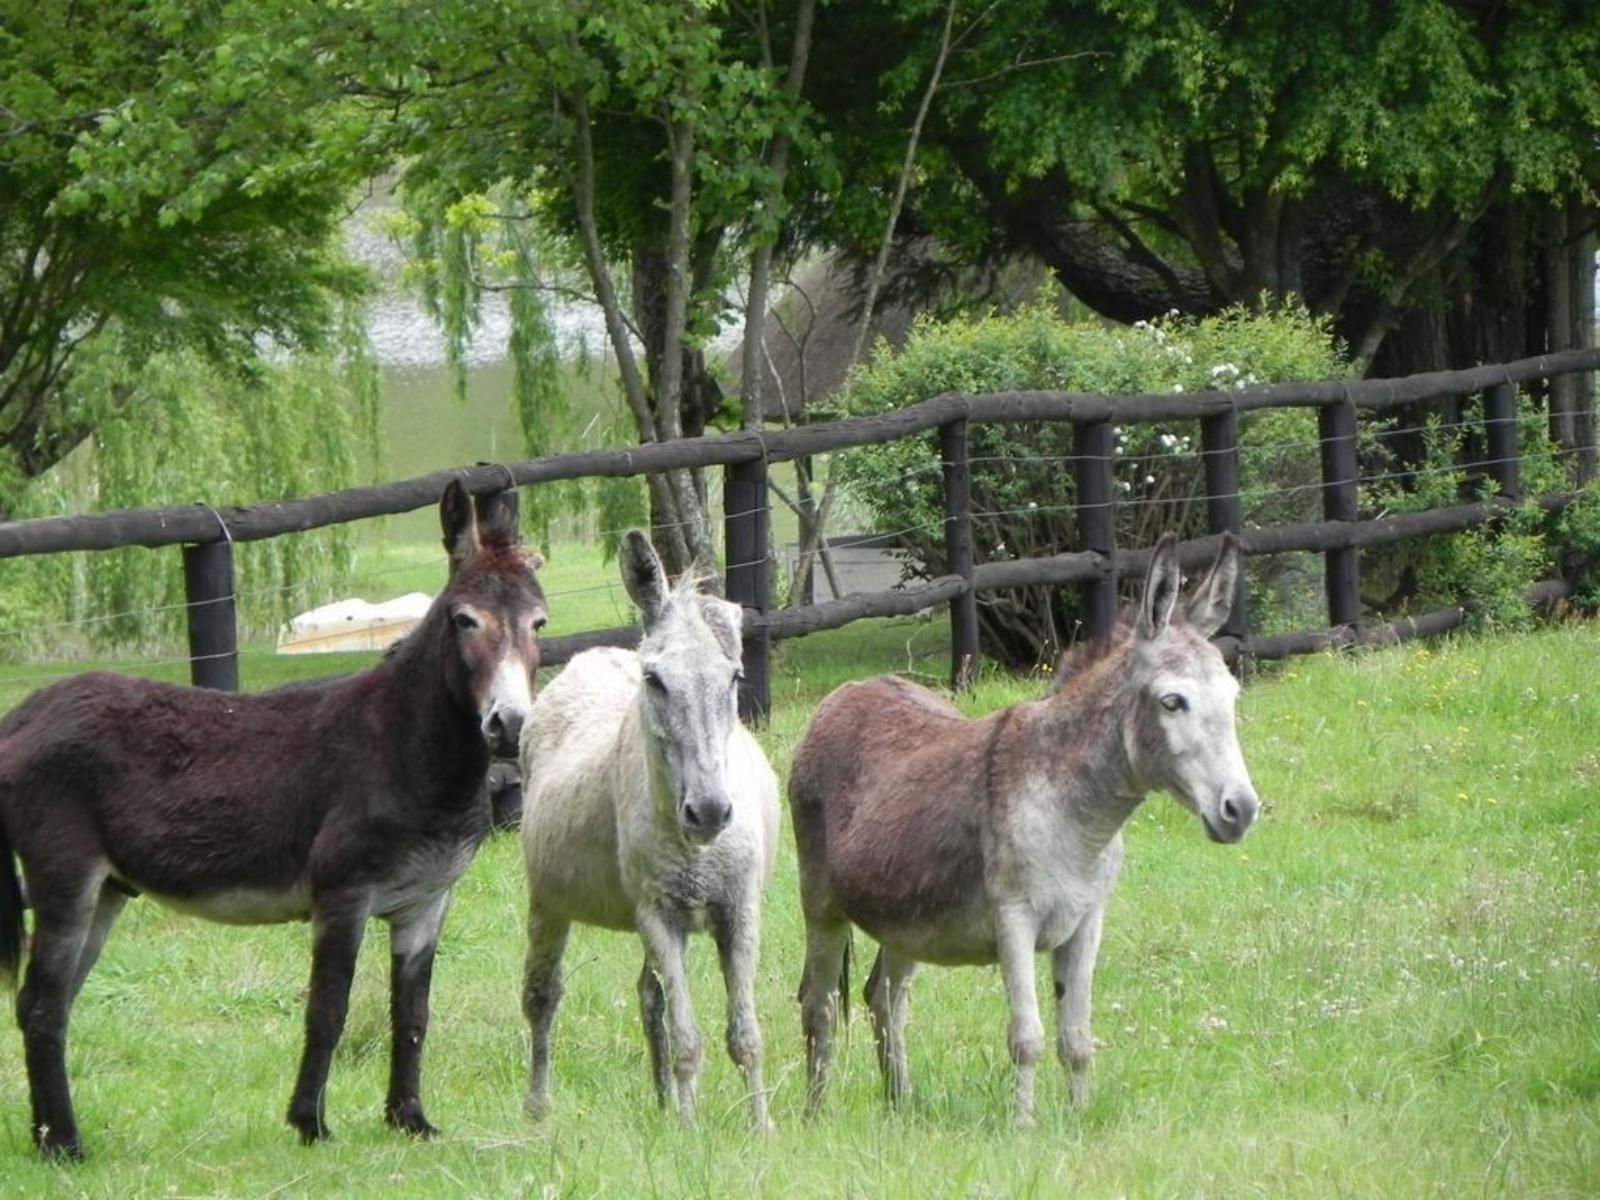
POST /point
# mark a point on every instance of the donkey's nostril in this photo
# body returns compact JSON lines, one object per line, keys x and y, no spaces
{"x":504,"y":729}
{"x":691,"y":816}
{"x":1238,"y":812}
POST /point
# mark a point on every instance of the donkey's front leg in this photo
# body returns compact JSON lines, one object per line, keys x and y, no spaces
{"x":738,"y":934}
{"x":413,"y":938}
{"x":335,"y":942}
{"x":663,"y":942}
{"x":1015,"y":937}
{"x":1072,"y":964}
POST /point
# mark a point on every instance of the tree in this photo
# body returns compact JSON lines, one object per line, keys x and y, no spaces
{"x":172,"y":173}
{"x":1416,"y":168}
{"x":631,"y":152}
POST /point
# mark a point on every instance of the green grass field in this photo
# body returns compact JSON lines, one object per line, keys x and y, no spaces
{"x":1391,"y":988}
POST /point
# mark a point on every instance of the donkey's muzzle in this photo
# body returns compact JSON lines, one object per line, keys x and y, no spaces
{"x":503,"y":731}
{"x":1234,"y":816}
{"x":703,"y":819}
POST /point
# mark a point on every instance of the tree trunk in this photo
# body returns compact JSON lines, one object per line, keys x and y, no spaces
{"x":1581,"y":230}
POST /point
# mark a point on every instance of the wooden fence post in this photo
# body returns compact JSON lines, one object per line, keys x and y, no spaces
{"x":958,"y":552}
{"x":1093,"y":444}
{"x":1500,"y":429}
{"x":746,"y":520}
{"x":1336,"y":426}
{"x":1219,"y":450}
{"x":213,"y":636}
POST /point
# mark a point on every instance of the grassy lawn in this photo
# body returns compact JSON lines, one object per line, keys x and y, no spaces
{"x":1391,"y":988}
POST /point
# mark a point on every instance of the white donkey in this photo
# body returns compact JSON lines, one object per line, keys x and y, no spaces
{"x":648,"y":807}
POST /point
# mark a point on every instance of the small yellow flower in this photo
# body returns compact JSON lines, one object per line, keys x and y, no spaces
{"x":1462,"y":796}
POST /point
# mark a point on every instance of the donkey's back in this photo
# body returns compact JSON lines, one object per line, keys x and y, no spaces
{"x":886,"y":794}
{"x":181,"y":792}
{"x":574,"y":763}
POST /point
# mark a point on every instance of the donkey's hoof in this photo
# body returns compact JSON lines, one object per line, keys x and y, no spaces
{"x":408,"y":1118}
{"x":58,"y":1149}
{"x":537,"y":1107}
{"x":310,"y":1126}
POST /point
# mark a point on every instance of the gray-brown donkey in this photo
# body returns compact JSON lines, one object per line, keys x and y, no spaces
{"x":976,"y":841}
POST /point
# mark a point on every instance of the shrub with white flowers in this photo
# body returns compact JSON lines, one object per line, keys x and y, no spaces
{"x":1022,"y":475}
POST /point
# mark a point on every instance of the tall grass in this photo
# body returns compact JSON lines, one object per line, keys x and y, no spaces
{"x":1391,"y":988}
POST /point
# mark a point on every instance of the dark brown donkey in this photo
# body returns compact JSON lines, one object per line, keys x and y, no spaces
{"x":977,"y":841}
{"x":331,"y":802}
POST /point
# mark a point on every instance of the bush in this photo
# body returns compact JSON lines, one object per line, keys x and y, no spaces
{"x":1491,"y":568}
{"x":1022,"y":482}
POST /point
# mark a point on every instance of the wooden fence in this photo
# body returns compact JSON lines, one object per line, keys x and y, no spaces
{"x":207,"y":533}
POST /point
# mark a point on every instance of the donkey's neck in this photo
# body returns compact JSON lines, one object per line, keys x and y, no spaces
{"x":1074,"y":743}
{"x":439,"y":733}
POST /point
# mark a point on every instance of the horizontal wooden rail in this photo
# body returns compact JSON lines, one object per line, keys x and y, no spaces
{"x":1430,"y":624}
{"x":1082,"y":567}
{"x":198,"y":523}
{"x":1312,"y":537}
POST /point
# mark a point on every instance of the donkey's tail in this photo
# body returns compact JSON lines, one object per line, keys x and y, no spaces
{"x":10,"y":914}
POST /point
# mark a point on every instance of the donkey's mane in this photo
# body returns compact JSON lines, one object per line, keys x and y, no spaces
{"x":693,"y":580}
{"x":1077,"y":660}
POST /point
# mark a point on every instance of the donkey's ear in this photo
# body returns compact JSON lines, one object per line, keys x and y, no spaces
{"x":459,"y":522}
{"x":642,"y":576}
{"x":1212,"y":601}
{"x":726,"y":622}
{"x":498,"y":514}
{"x":1161,"y":585}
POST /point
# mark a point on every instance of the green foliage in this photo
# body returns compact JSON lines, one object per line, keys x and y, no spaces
{"x":1190,"y":153}
{"x":1577,"y":533}
{"x":1490,"y":568}
{"x":174,"y":175}
{"x":1022,"y":482}
{"x":198,"y":434}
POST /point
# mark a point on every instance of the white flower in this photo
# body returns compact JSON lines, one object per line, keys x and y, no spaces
{"x":1177,"y":387}
{"x":1167,"y":441}
{"x":1149,"y":479}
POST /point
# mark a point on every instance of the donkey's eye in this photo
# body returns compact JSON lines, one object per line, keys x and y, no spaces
{"x":738,"y":676}
{"x":540,"y":621}
{"x":654,"y":681}
{"x":1173,"y":702}
{"x":464,"y":620}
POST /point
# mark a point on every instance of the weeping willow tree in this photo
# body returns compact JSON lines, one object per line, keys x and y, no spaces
{"x":191,"y":429}
{"x":464,"y":248}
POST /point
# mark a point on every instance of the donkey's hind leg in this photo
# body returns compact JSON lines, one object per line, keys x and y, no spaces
{"x":738,"y":934}
{"x":822,"y":989}
{"x":653,"y":1017}
{"x":107,"y":908}
{"x":541,"y":992}
{"x":61,"y":928}
{"x":887,"y":991}
{"x":413,"y":937}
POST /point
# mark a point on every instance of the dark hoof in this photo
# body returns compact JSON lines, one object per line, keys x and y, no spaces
{"x":58,"y":1149}
{"x":408,"y":1118}
{"x":311,"y":1127}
